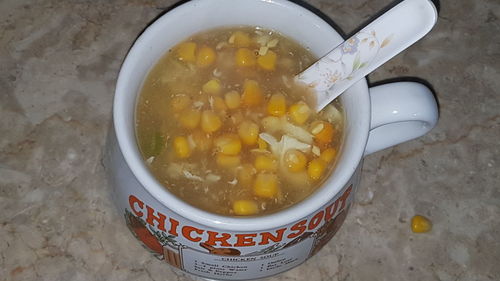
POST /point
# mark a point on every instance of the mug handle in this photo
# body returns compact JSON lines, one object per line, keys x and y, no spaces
{"x":401,"y":111}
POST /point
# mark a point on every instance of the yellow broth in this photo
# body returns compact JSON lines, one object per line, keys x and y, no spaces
{"x":222,"y":125}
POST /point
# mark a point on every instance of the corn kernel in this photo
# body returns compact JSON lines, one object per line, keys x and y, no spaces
{"x":267,"y":61}
{"x":248,"y":132}
{"x":299,"y":112}
{"x":219,"y":105}
{"x":265,"y":163}
{"x":246,"y":174}
{"x":237,"y":118}
{"x":328,"y":155}
{"x":210,"y":122}
{"x":266,"y":185}
{"x":245,"y":57}
{"x":323,"y":132}
{"x":240,"y":39}
{"x":202,"y":140}
{"x":186,"y":52}
{"x":181,"y":147}
{"x":316,"y":168}
{"x":420,"y":224}
{"x":245,"y":207}
{"x":261,"y":143}
{"x":212,"y":87}
{"x":227,"y":161}
{"x":189,"y":118}
{"x":228,"y":144}
{"x":295,"y":160}
{"x":252,"y":93}
{"x":179,"y":103}
{"x":277,"y":105}
{"x":232,"y":99}
{"x":206,"y":57}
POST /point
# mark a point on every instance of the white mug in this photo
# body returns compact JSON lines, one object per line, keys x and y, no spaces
{"x":231,"y":248}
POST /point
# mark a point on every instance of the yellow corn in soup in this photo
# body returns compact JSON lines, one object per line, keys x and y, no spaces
{"x":222,"y":125}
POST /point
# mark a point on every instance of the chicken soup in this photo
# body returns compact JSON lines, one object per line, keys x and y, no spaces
{"x":222,"y":125}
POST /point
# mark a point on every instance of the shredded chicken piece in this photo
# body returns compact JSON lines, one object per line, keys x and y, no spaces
{"x":273,"y":43}
{"x":331,"y":114}
{"x":280,"y":147}
{"x":211,"y":102}
{"x":212,"y":178}
{"x":220,"y":45}
{"x":262,"y":40}
{"x":198,"y":104}
{"x":263,"y":50}
{"x":258,"y":150}
{"x":190,"y":176}
{"x":318,"y":128}
{"x":316,"y":150}
{"x":176,"y":170}
{"x":286,"y":81}
{"x":217,"y":72}
{"x":296,"y":131}
{"x":273,"y":125}
{"x":192,"y":143}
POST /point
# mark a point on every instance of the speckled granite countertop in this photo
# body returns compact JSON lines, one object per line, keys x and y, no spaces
{"x":58,"y":65}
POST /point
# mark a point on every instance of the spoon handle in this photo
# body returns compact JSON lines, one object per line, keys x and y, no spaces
{"x":382,"y":39}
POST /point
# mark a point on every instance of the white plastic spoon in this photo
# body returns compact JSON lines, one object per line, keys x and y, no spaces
{"x":382,"y":39}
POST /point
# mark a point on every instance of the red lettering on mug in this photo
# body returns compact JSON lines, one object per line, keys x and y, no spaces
{"x":315,"y":220}
{"x":331,"y":210}
{"x":173,"y":226}
{"x":245,"y":240}
{"x":213,"y":239}
{"x":299,"y":227}
{"x":187,"y":230}
{"x":266,"y":236}
{"x":151,"y":218}
{"x":345,"y":196}
{"x":133,"y":202}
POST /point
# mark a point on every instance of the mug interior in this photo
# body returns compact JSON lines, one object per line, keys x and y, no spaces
{"x":195,"y":16}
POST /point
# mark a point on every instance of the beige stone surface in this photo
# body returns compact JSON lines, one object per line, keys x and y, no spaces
{"x":58,"y":65}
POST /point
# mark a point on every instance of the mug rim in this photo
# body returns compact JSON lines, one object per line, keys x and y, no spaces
{"x":297,"y":211}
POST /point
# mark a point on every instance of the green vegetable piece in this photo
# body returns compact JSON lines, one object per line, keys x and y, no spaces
{"x":155,"y":146}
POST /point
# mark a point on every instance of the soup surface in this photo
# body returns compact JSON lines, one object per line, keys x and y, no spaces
{"x":222,"y":125}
